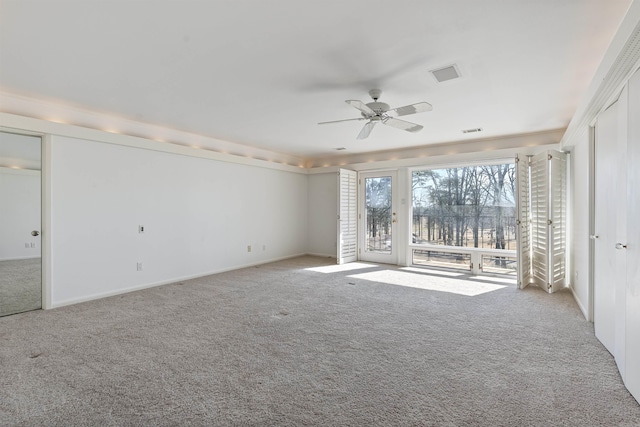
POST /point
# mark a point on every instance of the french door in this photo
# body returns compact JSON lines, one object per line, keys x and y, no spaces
{"x":378,"y":217}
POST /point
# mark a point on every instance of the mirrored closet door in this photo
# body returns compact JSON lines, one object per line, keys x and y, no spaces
{"x":20,"y":221}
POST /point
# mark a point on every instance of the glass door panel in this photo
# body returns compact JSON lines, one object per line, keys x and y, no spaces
{"x":379,"y":218}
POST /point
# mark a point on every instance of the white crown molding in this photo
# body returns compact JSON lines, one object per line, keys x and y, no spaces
{"x":46,"y":118}
{"x":449,"y":153}
{"x":21,"y":124}
{"x":74,"y":118}
{"x":620,"y":61}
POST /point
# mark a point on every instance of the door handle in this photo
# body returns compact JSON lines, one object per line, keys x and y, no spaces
{"x":620,"y":246}
{"x":594,"y":236}
{"x":35,"y":233}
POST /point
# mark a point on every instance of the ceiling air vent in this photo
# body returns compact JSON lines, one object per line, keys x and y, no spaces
{"x":447,"y":73}
{"x":472,"y":130}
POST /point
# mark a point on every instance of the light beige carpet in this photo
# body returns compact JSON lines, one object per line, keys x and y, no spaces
{"x":303,"y":342}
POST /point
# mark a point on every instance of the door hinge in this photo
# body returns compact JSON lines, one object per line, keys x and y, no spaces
{"x":518,"y":222}
{"x":471,"y":266}
{"x":549,"y":222}
{"x":549,"y":157}
{"x":517,"y":159}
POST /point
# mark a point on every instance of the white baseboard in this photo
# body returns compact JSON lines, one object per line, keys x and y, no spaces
{"x":101,"y":295}
{"x":20,"y":258}
{"x":322,"y":255}
{"x":585,"y":312}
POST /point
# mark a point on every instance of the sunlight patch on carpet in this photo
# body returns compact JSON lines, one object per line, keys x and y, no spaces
{"x":340,"y":268}
{"x":431,"y":283}
{"x":423,"y":270}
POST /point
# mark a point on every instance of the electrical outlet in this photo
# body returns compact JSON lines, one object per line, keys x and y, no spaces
{"x":141,"y":229}
{"x":33,"y":245}
{"x":139,"y":266}
{"x":248,"y":248}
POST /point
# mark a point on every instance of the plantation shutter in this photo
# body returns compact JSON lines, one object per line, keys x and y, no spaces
{"x":523,"y":222}
{"x":347,"y":216}
{"x":539,"y":217}
{"x":548,"y":219}
{"x":558,"y":217}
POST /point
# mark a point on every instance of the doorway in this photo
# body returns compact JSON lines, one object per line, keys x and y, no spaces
{"x":20,"y":224}
{"x":378,"y":217}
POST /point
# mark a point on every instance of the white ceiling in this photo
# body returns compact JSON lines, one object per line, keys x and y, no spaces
{"x":263,"y":73}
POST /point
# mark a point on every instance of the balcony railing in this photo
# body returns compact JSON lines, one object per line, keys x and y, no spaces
{"x":474,"y":260}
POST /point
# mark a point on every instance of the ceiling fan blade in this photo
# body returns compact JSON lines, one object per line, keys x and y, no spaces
{"x":361,"y":106}
{"x":338,"y":121}
{"x":401,"y":124}
{"x":420,"y":107}
{"x":366,"y":130}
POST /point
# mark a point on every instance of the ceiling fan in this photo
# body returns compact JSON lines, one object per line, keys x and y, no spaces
{"x":375,"y":112}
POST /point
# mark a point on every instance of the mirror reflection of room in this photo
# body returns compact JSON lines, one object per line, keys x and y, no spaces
{"x":20,"y":222}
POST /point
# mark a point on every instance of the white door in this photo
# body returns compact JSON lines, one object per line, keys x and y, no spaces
{"x":378,"y":217}
{"x":610,"y":203}
{"x":347,"y":216}
{"x":20,"y":223}
{"x":632,"y":300}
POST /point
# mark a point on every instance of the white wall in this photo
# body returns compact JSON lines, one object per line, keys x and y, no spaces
{"x":199,"y":217}
{"x":20,"y":213}
{"x":323,"y":211}
{"x":580,"y":176}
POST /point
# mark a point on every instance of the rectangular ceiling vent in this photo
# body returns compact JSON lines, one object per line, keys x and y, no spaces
{"x":472,"y":130}
{"x":447,"y":73}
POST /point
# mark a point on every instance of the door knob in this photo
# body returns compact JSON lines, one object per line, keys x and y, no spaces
{"x":35,"y":233}
{"x":593,"y":236}
{"x":620,"y":246}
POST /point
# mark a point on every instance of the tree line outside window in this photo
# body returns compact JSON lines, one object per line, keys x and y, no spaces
{"x":470,"y":206}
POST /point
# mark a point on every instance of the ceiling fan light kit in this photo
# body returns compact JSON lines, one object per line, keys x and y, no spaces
{"x":380,"y":112}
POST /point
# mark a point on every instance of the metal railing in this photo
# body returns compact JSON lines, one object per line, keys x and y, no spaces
{"x":475,"y":260}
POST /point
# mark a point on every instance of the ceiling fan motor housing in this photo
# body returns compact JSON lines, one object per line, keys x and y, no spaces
{"x":378,"y":107}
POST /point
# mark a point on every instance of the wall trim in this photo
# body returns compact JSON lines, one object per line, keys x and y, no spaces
{"x":620,"y":61}
{"x":101,"y":295}
{"x":21,"y":124}
{"x":583,"y":309}
{"x":20,"y":258}
{"x":448,"y":153}
{"x":321,"y":255}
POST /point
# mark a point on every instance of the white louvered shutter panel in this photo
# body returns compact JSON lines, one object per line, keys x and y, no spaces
{"x":523,"y":236}
{"x":558,"y":217}
{"x":539,"y":219}
{"x":347,"y":216}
